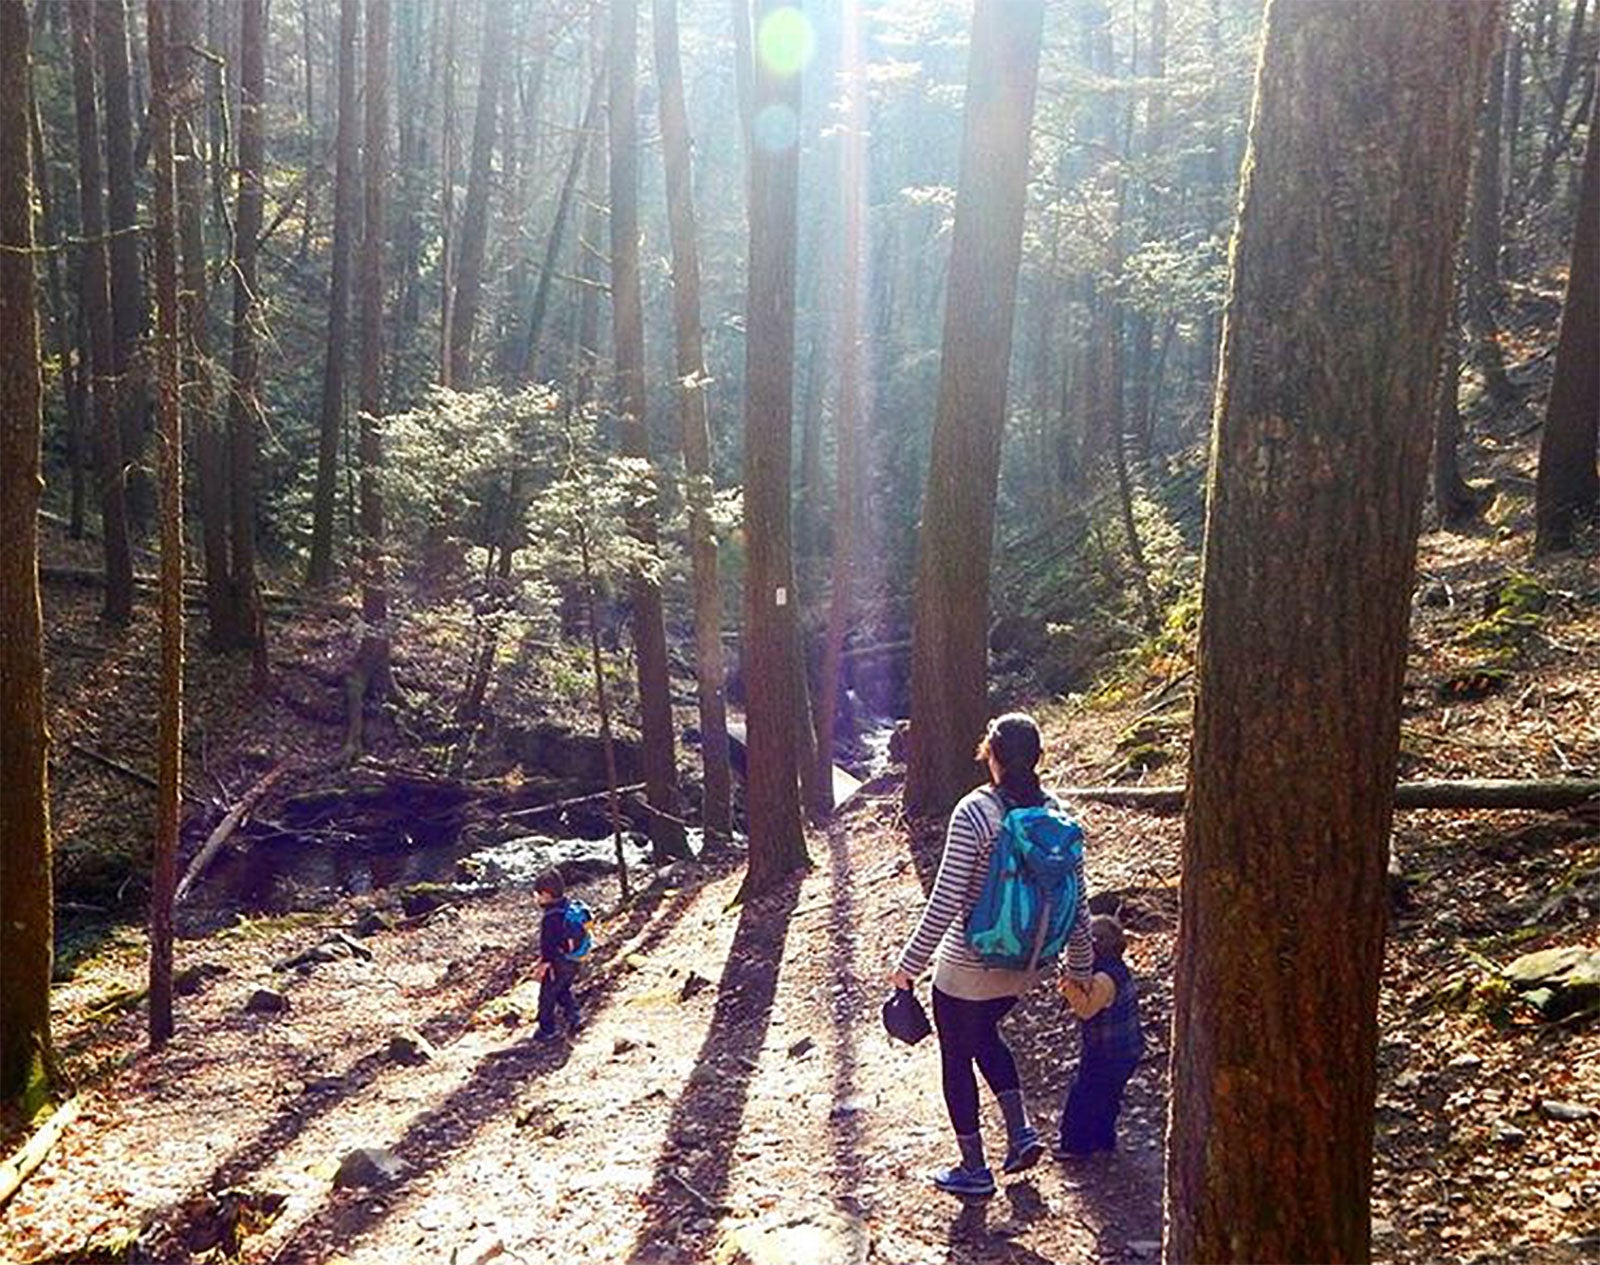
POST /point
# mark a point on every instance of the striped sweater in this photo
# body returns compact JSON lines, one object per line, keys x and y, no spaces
{"x":941,"y":931}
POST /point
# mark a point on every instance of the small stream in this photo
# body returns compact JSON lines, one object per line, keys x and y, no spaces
{"x":366,"y":849}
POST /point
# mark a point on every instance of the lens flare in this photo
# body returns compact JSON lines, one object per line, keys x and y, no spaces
{"x":785,"y":41}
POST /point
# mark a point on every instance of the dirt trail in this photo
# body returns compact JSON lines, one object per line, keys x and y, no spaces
{"x":732,"y":1068}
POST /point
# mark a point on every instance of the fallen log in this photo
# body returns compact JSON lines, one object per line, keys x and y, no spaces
{"x":15,"y":1170}
{"x":1549,"y":794}
{"x":557,"y":805}
{"x":225,"y":829}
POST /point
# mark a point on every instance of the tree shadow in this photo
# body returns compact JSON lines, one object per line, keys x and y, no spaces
{"x":845,"y":1119}
{"x":696,"y":1157}
{"x":435,"y":1135}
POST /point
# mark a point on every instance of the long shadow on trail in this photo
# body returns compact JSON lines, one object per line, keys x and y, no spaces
{"x":696,"y":1159}
{"x":436,"y":1135}
{"x":507,"y":968}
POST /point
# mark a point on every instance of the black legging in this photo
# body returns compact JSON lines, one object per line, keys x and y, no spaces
{"x":969,"y":1032}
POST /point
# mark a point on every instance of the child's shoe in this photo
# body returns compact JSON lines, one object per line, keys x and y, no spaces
{"x":968,"y":1183}
{"x":545,"y":1034}
{"x":1025,"y":1151}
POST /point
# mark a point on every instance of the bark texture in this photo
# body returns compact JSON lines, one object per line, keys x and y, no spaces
{"x":346,"y":175}
{"x":950,"y":633}
{"x":169,"y":740}
{"x":1569,"y":485}
{"x":1342,"y":267}
{"x":777,"y":835}
{"x":26,"y":930}
{"x":692,"y":388}
{"x":627,"y":313}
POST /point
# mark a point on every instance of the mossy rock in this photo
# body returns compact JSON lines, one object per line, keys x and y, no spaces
{"x":1517,"y":594}
{"x":1558,"y":982}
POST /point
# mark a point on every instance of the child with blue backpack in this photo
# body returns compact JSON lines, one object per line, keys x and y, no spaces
{"x":1113,"y":1044}
{"x":563,"y":941}
{"x":974,"y":986}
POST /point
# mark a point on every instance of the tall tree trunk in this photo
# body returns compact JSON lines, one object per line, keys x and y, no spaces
{"x":1322,"y":436}
{"x":475,"y":218}
{"x":244,"y":402}
{"x":308,"y":207}
{"x":346,"y":176}
{"x":627,"y":313}
{"x":692,"y":385}
{"x":94,"y":280}
{"x":849,"y":415}
{"x":169,"y":741}
{"x":771,"y":643}
{"x":1483,"y":247}
{"x":1452,"y":498}
{"x":372,"y":673}
{"x":1568,"y":485}
{"x":187,"y":100}
{"x":127,"y":287}
{"x":526,"y":360}
{"x":26,"y":903}
{"x":950,"y":643}
{"x":449,"y":247}
{"x":61,"y":324}
{"x":1557,"y":136}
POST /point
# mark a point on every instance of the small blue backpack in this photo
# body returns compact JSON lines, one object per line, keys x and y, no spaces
{"x":578,"y":939}
{"x":1029,"y":901}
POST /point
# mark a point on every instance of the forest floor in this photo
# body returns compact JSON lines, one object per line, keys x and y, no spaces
{"x":733,"y":1096}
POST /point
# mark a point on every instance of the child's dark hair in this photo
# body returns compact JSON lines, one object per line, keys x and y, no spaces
{"x":1106,"y":932}
{"x":551,"y":882}
{"x":1014,"y":741}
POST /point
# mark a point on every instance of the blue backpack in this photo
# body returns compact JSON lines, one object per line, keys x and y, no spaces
{"x":1029,"y":902}
{"x":578,"y":939}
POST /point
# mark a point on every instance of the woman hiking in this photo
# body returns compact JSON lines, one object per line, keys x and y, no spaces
{"x":970,"y":997}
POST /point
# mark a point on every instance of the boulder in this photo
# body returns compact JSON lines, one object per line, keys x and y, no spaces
{"x":266,"y":1001}
{"x":370,"y":1166}
{"x":1558,"y":982}
{"x":820,"y":1237}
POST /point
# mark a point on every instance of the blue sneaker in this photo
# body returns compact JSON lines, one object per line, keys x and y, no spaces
{"x":968,"y":1183}
{"x":1025,"y":1151}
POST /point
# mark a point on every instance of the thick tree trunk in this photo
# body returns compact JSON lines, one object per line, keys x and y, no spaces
{"x":169,"y":741}
{"x":127,"y":287}
{"x":244,"y":402}
{"x":475,"y":218}
{"x":1568,"y":483}
{"x":777,"y":835}
{"x":373,"y":667}
{"x":850,"y":421}
{"x":1322,"y":436}
{"x":627,"y":312}
{"x":346,"y":175}
{"x":26,"y":905}
{"x":94,"y":280}
{"x":950,"y":650}
{"x":692,"y":387}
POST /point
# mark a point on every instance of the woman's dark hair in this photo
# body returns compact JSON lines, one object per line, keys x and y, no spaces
{"x":1109,"y":940}
{"x":552,"y":882}
{"x":1013,"y":740}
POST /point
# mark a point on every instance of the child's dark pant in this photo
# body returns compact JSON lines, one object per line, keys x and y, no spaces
{"x":555,"y":992}
{"x":969,"y":1032}
{"x":1089,"y":1117}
